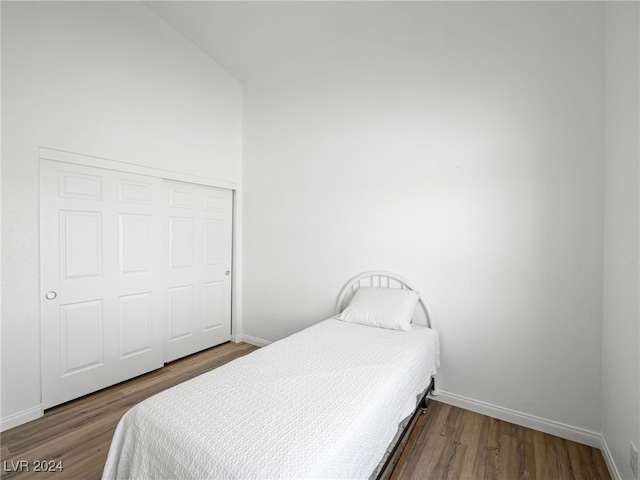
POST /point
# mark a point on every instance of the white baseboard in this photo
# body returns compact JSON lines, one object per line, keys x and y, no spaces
{"x":608,"y":459}
{"x":258,"y":342}
{"x":20,"y":418}
{"x":552,"y":427}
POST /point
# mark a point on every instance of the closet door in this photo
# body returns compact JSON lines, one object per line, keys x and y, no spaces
{"x":101,"y":278}
{"x":199,"y":232}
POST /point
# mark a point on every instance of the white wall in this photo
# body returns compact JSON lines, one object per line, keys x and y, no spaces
{"x":460,"y":145}
{"x":621,"y":300}
{"x":108,"y":79}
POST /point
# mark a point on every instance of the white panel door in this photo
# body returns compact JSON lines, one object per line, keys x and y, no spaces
{"x":102,"y":267}
{"x":199,"y":232}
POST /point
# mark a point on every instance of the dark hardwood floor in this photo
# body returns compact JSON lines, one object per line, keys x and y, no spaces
{"x":447,"y":443}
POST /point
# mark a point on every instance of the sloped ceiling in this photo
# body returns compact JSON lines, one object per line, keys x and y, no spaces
{"x":247,"y":38}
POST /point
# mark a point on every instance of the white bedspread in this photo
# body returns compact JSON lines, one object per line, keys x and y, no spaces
{"x":322,"y":403}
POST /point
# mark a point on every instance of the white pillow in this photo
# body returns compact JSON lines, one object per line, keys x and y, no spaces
{"x":381,"y":307}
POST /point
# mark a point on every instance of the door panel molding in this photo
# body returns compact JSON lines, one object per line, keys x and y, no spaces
{"x":101,"y":276}
{"x":199,"y":242}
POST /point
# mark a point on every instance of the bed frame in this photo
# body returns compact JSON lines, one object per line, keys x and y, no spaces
{"x":421,"y":316}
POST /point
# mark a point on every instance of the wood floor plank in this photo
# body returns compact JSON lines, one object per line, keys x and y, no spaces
{"x":492,"y":450}
{"x":448,"y":443}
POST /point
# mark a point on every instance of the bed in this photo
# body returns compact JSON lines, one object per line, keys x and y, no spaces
{"x":326,"y":402}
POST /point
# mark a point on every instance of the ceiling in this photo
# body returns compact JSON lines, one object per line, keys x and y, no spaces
{"x":248,"y":38}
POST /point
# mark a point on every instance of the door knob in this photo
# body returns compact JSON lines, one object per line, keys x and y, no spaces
{"x":51,"y":295}
{"x":227,"y":272}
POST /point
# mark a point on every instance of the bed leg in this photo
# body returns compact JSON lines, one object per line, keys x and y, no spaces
{"x":425,"y":397}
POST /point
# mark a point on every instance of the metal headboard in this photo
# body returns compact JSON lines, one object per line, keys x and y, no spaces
{"x":384,"y":279}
